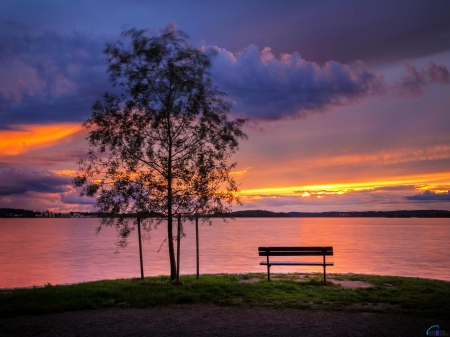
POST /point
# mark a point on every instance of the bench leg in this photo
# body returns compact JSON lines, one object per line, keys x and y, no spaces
{"x":324,"y":275}
{"x":268,"y":272}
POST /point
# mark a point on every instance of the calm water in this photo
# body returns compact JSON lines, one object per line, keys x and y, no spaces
{"x":58,"y":251}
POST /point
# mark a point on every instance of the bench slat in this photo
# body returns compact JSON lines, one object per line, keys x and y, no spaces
{"x":294,"y":263}
{"x":295,"y":251}
{"x":308,"y":248}
{"x":291,"y":253}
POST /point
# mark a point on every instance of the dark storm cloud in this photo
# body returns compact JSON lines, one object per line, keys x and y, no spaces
{"x":342,"y":31}
{"x":430,"y":196}
{"x":266,"y":87}
{"x":54,"y":78}
{"x":263,"y":86}
{"x":16,"y":180}
{"x":379,"y":31}
{"x":50,"y":77}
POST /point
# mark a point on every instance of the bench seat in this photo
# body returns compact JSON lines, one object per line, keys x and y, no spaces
{"x":322,"y":251}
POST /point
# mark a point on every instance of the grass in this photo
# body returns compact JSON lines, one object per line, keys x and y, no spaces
{"x":428,"y":298}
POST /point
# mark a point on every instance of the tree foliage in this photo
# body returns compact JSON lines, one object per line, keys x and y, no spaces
{"x":163,"y":144}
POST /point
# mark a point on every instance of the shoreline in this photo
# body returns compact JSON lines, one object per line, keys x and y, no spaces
{"x":230,"y":305}
{"x":6,"y":289}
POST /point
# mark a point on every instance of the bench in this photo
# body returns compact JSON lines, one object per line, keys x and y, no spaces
{"x":296,"y":251}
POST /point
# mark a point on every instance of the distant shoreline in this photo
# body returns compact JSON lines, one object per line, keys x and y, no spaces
{"x":21,"y":213}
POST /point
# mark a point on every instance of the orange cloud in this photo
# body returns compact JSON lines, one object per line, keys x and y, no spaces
{"x":423,"y":182}
{"x":386,"y":157}
{"x":14,"y":142}
{"x":241,"y":172}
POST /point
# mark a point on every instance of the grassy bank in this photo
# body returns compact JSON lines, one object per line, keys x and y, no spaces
{"x":393,"y":294}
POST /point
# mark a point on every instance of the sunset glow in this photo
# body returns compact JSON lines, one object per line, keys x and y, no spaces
{"x":421,"y":183}
{"x":32,"y":137}
{"x":340,"y":115}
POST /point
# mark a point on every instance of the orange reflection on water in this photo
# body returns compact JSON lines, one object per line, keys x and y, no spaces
{"x":385,"y":246}
{"x":58,"y":251}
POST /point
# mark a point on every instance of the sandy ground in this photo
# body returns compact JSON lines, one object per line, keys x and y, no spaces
{"x":302,"y":278}
{"x":209,"y":320}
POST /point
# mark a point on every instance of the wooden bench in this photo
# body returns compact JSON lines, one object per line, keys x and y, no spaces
{"x":296,"y":251}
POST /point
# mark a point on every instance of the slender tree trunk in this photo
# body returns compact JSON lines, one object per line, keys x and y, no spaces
{"x":173,"y":268}
{"x":178,"y":247}
{"x":140,"y":247}
{"x":196,"y":244}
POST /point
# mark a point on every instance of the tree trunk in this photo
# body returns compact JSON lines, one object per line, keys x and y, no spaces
{"x":140,"y":247}
{"x":178,"y":247}
{"x":196,"y":244}
{"x":173,"y":268}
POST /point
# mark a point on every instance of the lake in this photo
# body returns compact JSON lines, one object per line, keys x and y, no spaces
{"x":59,"y":251}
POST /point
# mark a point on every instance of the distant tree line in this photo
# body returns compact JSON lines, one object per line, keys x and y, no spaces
{"x":366,"y":214}
{"x":259,"y":214}
{"x":378,"y":214}
{"x":24,"y":213}
{"x":13,"y":212}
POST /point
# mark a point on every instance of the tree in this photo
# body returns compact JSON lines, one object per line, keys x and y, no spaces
{"x":162,"y":145}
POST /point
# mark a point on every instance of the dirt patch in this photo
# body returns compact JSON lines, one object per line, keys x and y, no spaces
{"x":353,"y":284}
{"x":295,"y":278}
{"x":308,"y":277}
{"x":250,"y":280}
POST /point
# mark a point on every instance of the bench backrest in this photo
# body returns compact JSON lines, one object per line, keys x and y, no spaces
{"x":295,"y":251}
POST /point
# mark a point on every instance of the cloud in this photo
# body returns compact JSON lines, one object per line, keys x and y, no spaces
{"x":380,"y":198}
{"x":428,"y":196}
{"x":41,"y":202}
{"x":412,"y":84}
{"x":73,"y":197}
{"x":16,"y":180}
{"x":50,"y":77}
{"x":324,"y":30}
{"x":265,"y":87}
{"x":338,"y":30}
{"x":53,"y":190}
{"x":395,"y":188}
{"x":262,"y":86}
{"x":321,"y":202}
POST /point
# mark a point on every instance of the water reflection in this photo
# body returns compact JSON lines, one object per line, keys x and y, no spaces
{"x":58,"y":251}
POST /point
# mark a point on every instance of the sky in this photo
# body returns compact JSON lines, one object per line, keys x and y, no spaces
{"x":348,"y":102}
